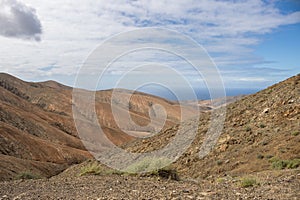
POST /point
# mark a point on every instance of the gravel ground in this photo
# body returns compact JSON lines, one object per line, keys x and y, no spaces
{"x":270,"y":186}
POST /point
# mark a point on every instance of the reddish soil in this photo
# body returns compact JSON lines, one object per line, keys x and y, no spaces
{"x":37,"y":126}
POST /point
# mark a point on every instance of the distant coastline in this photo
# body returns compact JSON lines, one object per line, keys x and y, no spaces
{"x":202,"y":94}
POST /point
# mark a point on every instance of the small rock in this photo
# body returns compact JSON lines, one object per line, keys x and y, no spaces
{"x":266,"y":110}
{"x":204,"y":193}
{"x":185,"y":191}
{"x":291,"y":101}
{"x":190,"y":197}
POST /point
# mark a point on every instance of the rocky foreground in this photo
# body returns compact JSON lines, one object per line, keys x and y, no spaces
{"x":282,"y":184}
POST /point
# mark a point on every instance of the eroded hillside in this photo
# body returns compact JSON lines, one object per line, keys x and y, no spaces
{"x":259,"y":129}
{"x":37,"y":130}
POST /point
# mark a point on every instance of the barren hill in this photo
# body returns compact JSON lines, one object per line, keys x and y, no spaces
{"x":260,"y":130}
{"x":37,"y":131}
{"x":256,"y":156}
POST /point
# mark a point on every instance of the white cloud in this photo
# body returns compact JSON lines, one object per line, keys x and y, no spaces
{"x":253,"y":79}
{"x":72,"y":29}
{"x":19,"y":20}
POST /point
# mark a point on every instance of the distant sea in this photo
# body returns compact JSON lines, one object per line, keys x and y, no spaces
{"x":202,"y":94}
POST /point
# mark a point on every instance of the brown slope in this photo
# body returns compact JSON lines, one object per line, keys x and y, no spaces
{"x":33,"y":124}
{"x":56,"y":98}
{"x":34,"y":148}
{"x":11,"y":167}
{"x":38,"y":118}
{"x":30,"y":137}
{"x":257,"y":127}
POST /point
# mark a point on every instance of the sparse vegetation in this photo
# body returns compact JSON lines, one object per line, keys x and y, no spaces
{"x":92,"y":168}
{"x":284,"y":164}
{"x":148,"y":164}
{"x":153,"y":166}
{"x":168,"y":173}
{"x":295,"y":133}
{"x":248,"y":182}
{"x":27,"y":175}
{"x":244,"y":149}
{"x":262,"y":125}
{"x":269,"y":91}
{"x":112,"y":171}
{"x":269,"y":156}
{"x":248,"y":129}
{"x":219,"y":162}
{"x":220,"y":180}
{"x":260,"y":156}
{"x":282,"y":150}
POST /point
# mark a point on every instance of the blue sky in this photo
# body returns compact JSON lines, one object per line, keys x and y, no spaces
{"x":254,"y":43}
{"x":282,"y":47}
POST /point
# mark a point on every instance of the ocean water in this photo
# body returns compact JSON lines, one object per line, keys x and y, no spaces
{"x":201,"y":94}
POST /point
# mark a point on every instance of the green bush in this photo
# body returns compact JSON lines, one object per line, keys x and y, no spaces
{"x":94,"y":168}
{"x":248,"y":182}
{"x":295,"y":133}
{"x":148,"y":164}
{"x":153,"y":166}
{"x":284,"y":164}
{"x":91,"y":169}
{"x":293,"y":164}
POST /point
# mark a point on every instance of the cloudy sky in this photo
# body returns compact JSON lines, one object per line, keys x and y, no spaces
{"x":254,"y":43}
